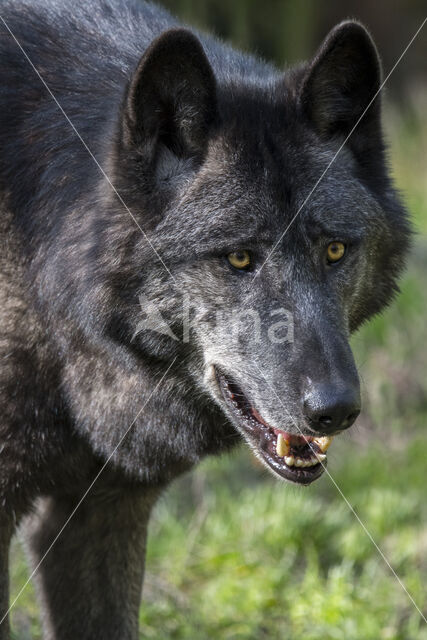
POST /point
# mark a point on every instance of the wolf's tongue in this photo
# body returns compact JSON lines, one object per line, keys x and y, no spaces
{"x":296,"y":441}
{"x":292,"y":439}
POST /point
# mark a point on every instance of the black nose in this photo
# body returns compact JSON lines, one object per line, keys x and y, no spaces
{"x":329,"y":408}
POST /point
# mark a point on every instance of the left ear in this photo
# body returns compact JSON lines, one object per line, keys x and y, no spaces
{"x":341,"y":81}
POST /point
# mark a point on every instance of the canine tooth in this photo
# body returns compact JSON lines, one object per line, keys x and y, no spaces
{"x":282,"y":446}
{"x":321,"y":457}
{"x":323,"y":443}
{"x":290,"y":461}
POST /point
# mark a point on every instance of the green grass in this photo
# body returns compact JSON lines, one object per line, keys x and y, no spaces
{"x":253,"y":558}
{"x":235,"y":554}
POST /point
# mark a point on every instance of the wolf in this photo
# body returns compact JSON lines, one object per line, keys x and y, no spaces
{"x":142,"y":160}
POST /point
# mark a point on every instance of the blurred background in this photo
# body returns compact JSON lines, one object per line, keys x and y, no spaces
{"x":235,"y":554}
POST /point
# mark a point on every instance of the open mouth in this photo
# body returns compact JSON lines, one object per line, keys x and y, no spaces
{"x":297,"y":458}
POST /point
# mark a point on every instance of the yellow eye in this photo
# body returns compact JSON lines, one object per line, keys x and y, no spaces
{"x":336,"y":250}
{"x":240,"y":259}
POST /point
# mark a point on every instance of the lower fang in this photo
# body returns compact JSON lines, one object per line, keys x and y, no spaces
{"x":290,"y":460}
{"x":282,"y":446}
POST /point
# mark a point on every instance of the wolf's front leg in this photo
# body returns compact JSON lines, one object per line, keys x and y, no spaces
{"x":89,"y":584}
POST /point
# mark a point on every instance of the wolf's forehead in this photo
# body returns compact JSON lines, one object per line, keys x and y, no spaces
{"x":276,"y":150}
{"x":277,"y":177}
{"x":253,"y":183}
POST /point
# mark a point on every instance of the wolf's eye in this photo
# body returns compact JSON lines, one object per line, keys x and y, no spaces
{"x":240,"y":259}
{"x":336,"y":251}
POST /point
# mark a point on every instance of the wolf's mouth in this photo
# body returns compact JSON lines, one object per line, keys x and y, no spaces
{"x":298,"y":458}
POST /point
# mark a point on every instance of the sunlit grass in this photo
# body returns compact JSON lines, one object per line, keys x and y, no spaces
{"x":279,"y":562}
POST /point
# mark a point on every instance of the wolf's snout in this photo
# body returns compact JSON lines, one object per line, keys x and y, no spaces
{"x":329,"y":408}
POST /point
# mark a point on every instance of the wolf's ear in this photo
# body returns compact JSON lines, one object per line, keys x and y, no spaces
{"x":340,"y":82}
{"x":171,"y":98}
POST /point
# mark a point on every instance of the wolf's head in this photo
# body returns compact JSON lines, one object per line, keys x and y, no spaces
{"x":268,"y":200}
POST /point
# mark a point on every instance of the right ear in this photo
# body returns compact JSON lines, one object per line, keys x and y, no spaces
{"x":171,"y":100}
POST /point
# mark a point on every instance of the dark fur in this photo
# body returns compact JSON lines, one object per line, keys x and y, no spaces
{"x":211,"y":150}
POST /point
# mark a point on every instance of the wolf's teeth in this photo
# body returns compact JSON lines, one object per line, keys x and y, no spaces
{"x":282,"y":446}
{"x":291,"y":461}
{"x":323,"y":443}
{"x":321,"y":456}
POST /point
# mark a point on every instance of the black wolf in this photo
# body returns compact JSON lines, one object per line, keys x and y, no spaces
{"x":144,"y":161}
